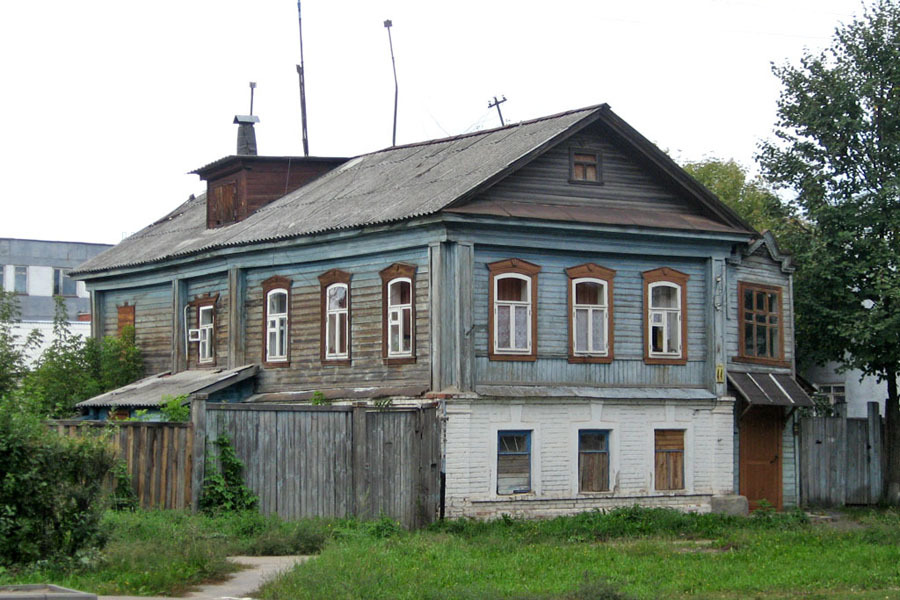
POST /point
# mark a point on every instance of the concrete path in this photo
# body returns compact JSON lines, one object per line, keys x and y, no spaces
{"x":240,"y":585}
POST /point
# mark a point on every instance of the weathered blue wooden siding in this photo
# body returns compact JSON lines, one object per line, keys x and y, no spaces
{"x":628,"y":367}
{"x":153,"y":322}
{"x":627,"y":184}
{"x":758,"y":268}
{"x":306,"y":371}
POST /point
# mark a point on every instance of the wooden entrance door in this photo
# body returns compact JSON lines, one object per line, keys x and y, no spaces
{"x":760,"y":458}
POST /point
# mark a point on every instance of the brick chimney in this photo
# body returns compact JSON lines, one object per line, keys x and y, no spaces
{"x":246,"y":137}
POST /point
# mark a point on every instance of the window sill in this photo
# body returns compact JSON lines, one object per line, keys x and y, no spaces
{"x":336,"y":362}
{"x":400,"y":360}
{"x":581,"y":359}
{"x":771,"y":362}
{"x":585,"y":182}
{"x":519,"y":357}
{"x":276,"y":364}
{"x":660,"y":360}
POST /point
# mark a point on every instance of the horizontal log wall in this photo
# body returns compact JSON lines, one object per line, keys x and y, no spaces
{"x":153,"y":322}
{"x":158,"y":456}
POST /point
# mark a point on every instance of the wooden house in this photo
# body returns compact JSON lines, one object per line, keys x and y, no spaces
{"x":598,"y":328}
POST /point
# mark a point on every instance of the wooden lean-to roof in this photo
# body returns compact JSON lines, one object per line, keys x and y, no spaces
{"x":406,"y":182}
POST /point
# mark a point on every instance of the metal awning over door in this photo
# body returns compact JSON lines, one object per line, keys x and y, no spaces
{"x":769,"y":389}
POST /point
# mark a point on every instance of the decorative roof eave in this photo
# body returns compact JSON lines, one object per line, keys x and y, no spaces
{"x":770,"y":244}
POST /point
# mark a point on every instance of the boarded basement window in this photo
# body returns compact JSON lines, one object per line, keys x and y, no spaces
{"x":669,"y":459}
{"x":593,"y":460}
{"x":125,"y":317}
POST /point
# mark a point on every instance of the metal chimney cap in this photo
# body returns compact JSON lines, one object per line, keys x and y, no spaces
{"x":244,"y":119}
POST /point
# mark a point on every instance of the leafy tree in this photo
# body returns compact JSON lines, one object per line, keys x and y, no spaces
{"x":12,"y":352}
{"x":837,"y":145}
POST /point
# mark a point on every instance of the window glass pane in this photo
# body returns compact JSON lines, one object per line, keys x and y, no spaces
{"x":337,"y":297}
{"x":748,"y":299}
{"x":592,"y":440}
{"x":21,"y":280}
{"x":68,"y":285}
{"x":598,"y":337}
{"x":673,"y":333}
{"x":588,"y":292}
{"x":395,"y":338}
{"x":342,"y":336}
{"x":503,"y":339}
{"x":664,"y":296}
{"x":590,"y":173}
{"x":278,"y":303}
{"x":206,"y":315}
{"x":760,"y":301}
{"x":773,"y":343}
{"x":407,"y":330}
{"x":512,"y":289}
{"x":581,"y":330}
{"x":748,"y":339}
{"x":656,"y":338}
{"x":400,"y":293}
{"x":273,"y":351}
{"x":773,"y":302}
{"x":761,"y":346}
{"x":514,"y":442}
{"x":331,"y":345}
{"x":521,"y":327}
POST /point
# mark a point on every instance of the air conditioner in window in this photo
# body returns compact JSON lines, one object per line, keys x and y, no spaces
{"x":193,"y":335}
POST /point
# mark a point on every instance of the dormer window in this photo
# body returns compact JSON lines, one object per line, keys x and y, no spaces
{"x":584,"y":166}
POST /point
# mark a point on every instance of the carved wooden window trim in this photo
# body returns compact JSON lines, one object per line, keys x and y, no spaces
{"x":677,"y":279}
{"x":519,"y":269}
{"x":335,"y":277}
{"x":271,"y":286}
{"x":586,"y":273}
{"x":767,"y":314}
{"x":124,"y":317}
{"x":397,"y":272}
{"x":585,"y":166}
{"x":202,"y":304}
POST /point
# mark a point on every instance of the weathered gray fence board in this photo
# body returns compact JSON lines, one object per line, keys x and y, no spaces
{"x":157,"y":456}
{"x":841,"y":459}
{"x":305,"y":461}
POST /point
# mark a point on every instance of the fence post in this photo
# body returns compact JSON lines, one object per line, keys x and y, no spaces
{"x":198,"y":447}
{"x":874,"y":452}
{"x":360,"y":445}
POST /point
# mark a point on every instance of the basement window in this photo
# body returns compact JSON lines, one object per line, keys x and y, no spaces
{"x":669,"y":459}
{"x":593,"y":460}
{"x":513,"y":462}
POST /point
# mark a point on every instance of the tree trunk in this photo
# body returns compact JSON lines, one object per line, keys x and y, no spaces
{"x":892,"y":441}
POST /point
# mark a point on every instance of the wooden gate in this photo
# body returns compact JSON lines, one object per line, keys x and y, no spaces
{"x":336,"y":461}
{"x":841,"y":460}
{"x":760,"y":455}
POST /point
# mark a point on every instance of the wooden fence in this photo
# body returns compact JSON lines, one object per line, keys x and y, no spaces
{"x":159,"y":457}
{"x":335,"y":461}
{"x":841,"y":460}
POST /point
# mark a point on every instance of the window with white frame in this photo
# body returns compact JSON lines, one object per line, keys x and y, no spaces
{"x":336,"y":330}
{"x":513,"y":462}
{"x":589,"y":317}
{"x":399,"y":314}
{"x":665,"y":320}
{"x":276,"y":325}
{"x":512,"y":316}
{"x":835,"y":392}
{"x":63,"y":285}
{"x":206,"y":324}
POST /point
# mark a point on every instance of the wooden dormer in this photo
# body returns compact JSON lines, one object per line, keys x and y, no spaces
{"x":237,"y":186}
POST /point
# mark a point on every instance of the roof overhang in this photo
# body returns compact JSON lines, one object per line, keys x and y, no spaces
{"x":769,"y":389}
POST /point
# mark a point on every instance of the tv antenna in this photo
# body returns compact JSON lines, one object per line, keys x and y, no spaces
{"x":302,"y":85}
{"x":388,"y":25}
{"x":497,"y":103}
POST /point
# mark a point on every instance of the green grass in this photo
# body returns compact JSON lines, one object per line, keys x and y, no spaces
{"x":167,"y":552}
{"x":625,"y":554}
{"x":629,"y":553}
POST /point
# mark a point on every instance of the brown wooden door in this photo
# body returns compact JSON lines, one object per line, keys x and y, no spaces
{"x":760,"y":458}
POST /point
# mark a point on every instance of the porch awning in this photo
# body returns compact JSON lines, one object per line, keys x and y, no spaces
{"x":772,"y":389}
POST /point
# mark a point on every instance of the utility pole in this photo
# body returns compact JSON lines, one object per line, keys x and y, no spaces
{"x":387,"y":25}
{"x":302,"y":85}
{"x":497,"y":103}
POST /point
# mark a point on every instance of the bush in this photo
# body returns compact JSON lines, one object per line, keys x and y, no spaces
{"x":50,"y":489}
{"x":225,"y":490}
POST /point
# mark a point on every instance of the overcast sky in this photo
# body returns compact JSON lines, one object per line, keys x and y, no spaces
{"x":108,"y":104}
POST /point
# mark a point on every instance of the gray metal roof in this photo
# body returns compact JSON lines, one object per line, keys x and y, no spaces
{"x":150,"y":390}
{"x":391,"y":185}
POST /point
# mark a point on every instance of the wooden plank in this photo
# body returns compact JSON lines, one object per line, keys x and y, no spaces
{"x":875,"y":452}
{"x":198,"y":450}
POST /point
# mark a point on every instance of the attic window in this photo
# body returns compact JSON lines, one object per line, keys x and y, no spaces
{"x":584,"y":166}
{"x":222,"y":207}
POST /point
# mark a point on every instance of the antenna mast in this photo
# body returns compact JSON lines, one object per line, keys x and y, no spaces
{"x":388,"y":24}
{"x":497,"y":103}
{"x":302,"y":85}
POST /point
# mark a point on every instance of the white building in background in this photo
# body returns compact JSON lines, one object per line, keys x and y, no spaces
{"x":849,"y":391}
{"x":37,"y":271}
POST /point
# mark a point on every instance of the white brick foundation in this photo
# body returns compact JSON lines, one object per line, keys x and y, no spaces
{"x":470,"y":448}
